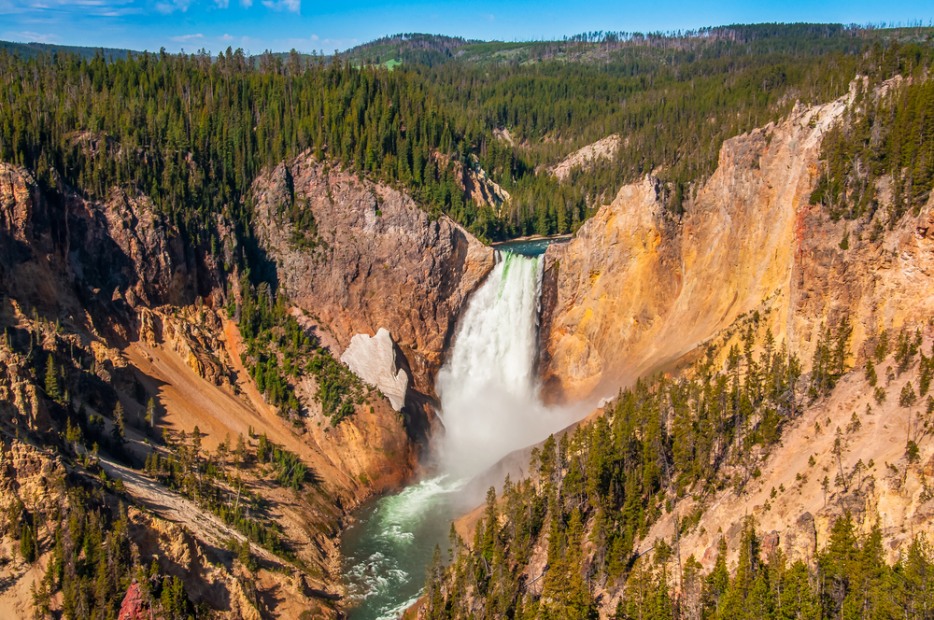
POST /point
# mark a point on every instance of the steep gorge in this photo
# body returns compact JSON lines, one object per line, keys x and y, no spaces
{"x":706,"y":338}
{"x":112,"y":295}
{"x":638,"y":291}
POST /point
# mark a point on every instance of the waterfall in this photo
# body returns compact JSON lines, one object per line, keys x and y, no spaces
{"x":488,"y":388}
{"x":490,"y":406}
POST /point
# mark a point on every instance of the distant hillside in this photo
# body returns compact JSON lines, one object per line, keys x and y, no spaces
{"x":595,"y":46}
{"x":451,"y":111}
{"x":412,"y":48}
{"x":32,"y":50}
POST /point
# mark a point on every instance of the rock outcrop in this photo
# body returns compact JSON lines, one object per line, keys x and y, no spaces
{"x":587,"y":156}
{"x":373,"y":359}
{"x":68,"y":255}
{"x":133,"y":606}
{"x":479,"y":187}
{"x":145,"y":303}
{"x":123,"y":308}
{"x":368,"y":257}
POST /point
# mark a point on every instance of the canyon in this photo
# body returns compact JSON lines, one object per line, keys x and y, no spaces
{"x":112,"y":291}
{"x":639,"y":292}
{"x":112,"y":285}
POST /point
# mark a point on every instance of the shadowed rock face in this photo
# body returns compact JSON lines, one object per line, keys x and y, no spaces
{"x":116,"y":287}
{"x":637,"y":289}
{"x":61,"y":252}
{"x":371,"y":259}
{"x":115,"y":273}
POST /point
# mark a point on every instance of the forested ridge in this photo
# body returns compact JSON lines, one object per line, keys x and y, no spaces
{"x":887,"y":135}
{"x":563,"y":542}
{"x":193,"y":131}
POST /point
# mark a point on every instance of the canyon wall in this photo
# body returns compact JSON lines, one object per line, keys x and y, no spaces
{"x":637,"y":289}
{"x":368,"y":257}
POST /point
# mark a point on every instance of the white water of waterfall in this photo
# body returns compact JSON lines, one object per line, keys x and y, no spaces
{"x":489,"y":406}
{"x":490,"y":403}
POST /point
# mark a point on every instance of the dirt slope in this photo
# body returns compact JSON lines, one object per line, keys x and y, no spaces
{"x":846,"y":453}
{"x":585,"y":157}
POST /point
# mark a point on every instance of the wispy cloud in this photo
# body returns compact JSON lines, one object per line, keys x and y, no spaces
{"x":60,"y":4}
{"x":89,"y":8}
{"x":121,"y":8}
{"x":293,"y":6}
{"x":171,"y":6}
{"x":188,"y":38}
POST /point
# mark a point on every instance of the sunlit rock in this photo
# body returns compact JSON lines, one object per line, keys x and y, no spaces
{"x":373,"y":359}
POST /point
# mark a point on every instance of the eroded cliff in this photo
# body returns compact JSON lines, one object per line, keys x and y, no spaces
{"x":359,"y":256}
{"x":118,"y":333}
{"x":638,"y":288}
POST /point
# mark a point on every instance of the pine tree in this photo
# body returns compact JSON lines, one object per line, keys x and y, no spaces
{"x":151,"y":413}
{"x":52,"y":385}
{"x":907,"y":397}
{"x":28,"y":546}
{"x":578,"y":602}
{"x":718,"y":580}
{"x":871,"y":372}
{"x":119,"y":427}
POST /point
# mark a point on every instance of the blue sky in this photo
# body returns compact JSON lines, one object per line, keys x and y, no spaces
{"x":308,"y":25}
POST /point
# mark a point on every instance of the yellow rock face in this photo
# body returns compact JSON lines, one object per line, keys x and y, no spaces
{"x":638,"y":288}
